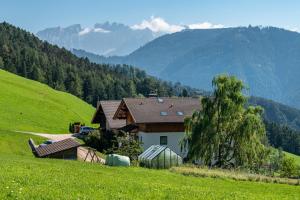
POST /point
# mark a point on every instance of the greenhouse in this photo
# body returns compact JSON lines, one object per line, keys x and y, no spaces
{"x":159,"y":157}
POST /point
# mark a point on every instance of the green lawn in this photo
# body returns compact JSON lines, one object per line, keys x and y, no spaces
{"x":31,"y":106}
{"x":24,"y":177}
{"x":297,"y":158}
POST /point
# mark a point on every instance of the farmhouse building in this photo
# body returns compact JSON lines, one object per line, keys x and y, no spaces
{"x":104,"y":115}
{"x":157,"y":121}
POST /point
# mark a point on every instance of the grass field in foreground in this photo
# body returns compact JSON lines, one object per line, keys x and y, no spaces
{"x":31,"y":106}
{"x":24,"y":177}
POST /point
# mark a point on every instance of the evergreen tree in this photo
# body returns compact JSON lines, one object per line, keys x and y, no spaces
{"x":1,"y":62}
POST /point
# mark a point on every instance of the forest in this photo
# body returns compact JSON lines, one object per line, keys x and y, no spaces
{"x":24,"y":54}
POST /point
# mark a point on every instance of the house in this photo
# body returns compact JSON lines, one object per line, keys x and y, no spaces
{"x":157,"y":121}
{"x":104,"y":115}
{"x":64,"y":149}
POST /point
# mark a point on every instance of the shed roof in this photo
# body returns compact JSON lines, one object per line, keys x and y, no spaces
{"x":56,"y":147}
{"x":108,"y":108}
{"x":157,"y":110}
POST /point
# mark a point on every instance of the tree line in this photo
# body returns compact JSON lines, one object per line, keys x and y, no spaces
{"x":24,"y":54}
{"x":281,"y":136}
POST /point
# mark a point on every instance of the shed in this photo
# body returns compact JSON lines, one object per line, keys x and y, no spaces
{"x":159,"y":157}
{"x":64,"y":149}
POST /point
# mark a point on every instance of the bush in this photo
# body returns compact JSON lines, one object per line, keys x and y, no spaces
{"x":127,"y":146}
{"x":100,"y":140}
{"x":289,"y":168}
{"x":93,"y":139}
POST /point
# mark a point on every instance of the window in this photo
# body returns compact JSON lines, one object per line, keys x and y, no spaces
{"x":179,"y":113}
{"x":163,"y":113}
{"x":163,"y":140}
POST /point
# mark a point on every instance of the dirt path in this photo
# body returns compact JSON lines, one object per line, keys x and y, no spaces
{"x":55,"y":137}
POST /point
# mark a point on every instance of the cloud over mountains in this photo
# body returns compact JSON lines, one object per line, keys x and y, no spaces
{"x":158,"y":24}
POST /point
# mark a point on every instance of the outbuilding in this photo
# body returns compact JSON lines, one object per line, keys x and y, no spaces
{"x":63,"y":149}
{"x":159,"y":157}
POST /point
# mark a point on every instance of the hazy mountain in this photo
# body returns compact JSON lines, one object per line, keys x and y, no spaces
{"x":267,"y":59}
{"x":103,"y":39}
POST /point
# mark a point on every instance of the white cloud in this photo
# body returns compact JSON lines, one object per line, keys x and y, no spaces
{"x":85,"y":31}
{"x":204,"y":25}
{"x":294,"y":29}
{"x":157,"y":24}
{"x":89,"y":30}
{"x":101,"y":30}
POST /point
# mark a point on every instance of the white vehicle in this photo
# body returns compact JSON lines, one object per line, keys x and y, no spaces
{"x":84,"y":130}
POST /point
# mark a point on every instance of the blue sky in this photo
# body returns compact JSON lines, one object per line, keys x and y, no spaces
{"x":35,"y":15}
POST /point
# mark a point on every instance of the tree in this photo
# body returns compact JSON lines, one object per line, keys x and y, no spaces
{"x":288,"y":167}
{"x":184,"y":93}
{"x":284,"y":137}
{"x":128,"y":145}
{"x":1,"y":62}
{"x":223,"y":133}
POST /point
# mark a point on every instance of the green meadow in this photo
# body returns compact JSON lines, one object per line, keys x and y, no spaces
{"x":24,"y":177}
{"x":28,"y":105}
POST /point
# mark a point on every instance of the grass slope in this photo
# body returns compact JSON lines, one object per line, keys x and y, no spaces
{"x":24,"y":177}
{"x":31,"y":106}
{"x":297,"y":158}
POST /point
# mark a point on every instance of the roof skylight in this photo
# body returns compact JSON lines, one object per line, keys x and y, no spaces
{"x":163,"y":113}
{"x":179,"y":113}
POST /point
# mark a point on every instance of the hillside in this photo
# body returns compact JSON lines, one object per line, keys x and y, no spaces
{"x":24,"y":54}
{"x":278,"y":113}
{"x":31,"y":106}
{"x":267,"y":59}
{"x":26,"y":177}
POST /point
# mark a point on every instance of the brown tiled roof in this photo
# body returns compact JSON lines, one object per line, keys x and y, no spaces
{"x":109,"y":108}
{"x":158,"y":110}
{"x":55,"y":147}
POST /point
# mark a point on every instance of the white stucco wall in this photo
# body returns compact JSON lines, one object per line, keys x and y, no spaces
{"x":153,"y":138}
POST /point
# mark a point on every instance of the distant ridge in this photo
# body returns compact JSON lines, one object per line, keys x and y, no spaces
{"x":266,"y":59}
{"x":103,"y":39}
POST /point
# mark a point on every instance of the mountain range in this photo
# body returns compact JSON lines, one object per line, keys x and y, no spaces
{"x":267,"y":59}
{"x":103,"y":39}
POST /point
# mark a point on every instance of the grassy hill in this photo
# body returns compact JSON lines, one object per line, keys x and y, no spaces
{"x":31,"y":106}
{"x":26,"y":177}
{"x":297,"y":158}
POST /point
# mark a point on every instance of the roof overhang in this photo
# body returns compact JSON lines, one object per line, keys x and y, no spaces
{"x":98,"y":111}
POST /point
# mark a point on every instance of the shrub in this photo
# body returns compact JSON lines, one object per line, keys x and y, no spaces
{"x":100,"y":140}
{"x":93,"y":139}
{"x":289,"y":167}
{"x":127,"y":146}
